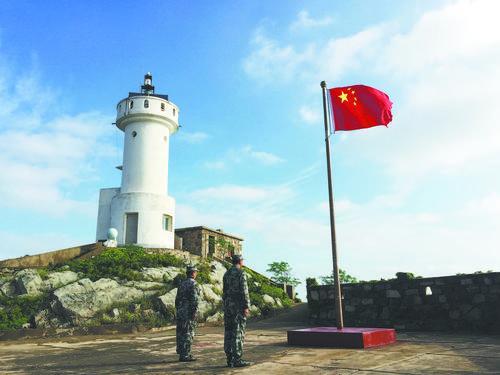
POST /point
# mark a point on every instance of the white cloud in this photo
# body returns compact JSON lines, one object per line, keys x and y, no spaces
{"x":304,"y":21}
{"x":239,"y":193}
{"x":243,"y":154}
{"x":194,"y":137}
{"x":263,"y":157}
{"x":43,"y":151}
{"x":271,"y":62}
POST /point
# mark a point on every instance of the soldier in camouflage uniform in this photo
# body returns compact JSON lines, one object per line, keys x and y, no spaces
{"x":186,"y":305}
{"x":236,"y":303}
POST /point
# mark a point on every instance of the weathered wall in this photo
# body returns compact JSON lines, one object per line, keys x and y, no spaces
{"x":52,"y":257}
{"x":463,"y":302}
{"x":197,"y":241}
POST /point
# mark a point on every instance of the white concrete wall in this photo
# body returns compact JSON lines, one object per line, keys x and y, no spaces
{"x":150,"y":209}
{"x":145,"y":158}
{"x":104,"y":212}
{"x":170,"y":112}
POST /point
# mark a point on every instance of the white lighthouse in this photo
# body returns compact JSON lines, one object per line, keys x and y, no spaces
{"x":141,"y":209}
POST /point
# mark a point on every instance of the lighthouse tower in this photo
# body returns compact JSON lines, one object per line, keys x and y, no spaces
{"x":141,"y":209}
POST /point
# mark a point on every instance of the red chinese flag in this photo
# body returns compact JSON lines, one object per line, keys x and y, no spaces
{"x":359,"y":107}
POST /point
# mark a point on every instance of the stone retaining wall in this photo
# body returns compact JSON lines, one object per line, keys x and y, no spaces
{"x":462,"y":302}
{"x":52,"y":257}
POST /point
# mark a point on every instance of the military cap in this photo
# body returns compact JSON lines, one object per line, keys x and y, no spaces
{"x":191,"y":268}
{"x":236,"y":258}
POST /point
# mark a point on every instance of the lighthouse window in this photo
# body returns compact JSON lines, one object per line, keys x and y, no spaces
{"x":134,"y":134}
{"x":146,"y":103}
{"x":131,"y":104}
{"x":167,"y":223}
{"x":162,"y":106}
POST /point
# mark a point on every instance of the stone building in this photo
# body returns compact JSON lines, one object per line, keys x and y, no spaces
{"x":207,"y":242}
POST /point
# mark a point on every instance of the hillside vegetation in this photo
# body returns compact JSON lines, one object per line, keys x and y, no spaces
{"x":120,"y":285}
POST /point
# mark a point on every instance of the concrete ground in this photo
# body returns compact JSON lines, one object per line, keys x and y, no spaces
{"x":154,"y":353}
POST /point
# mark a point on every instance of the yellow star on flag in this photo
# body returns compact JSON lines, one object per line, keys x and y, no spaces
{"x":343,"y":97}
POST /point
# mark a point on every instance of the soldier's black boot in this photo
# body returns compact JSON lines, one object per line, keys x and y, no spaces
{"x":230,"y":361}
{"x":187,"y":358}
{"x":242,"y":363}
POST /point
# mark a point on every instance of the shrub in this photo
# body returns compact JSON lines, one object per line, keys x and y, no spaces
{"x":204,"y":269}
{"x":311,"y":281}
{"x":124,"y":263}
{"x":43,"y":273}
{"x":259,"y":285}
{"x":19,"y":310}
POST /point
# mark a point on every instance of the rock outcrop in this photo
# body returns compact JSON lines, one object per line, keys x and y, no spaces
{"x":29,"y":282}
{"x":81,"y":300}
{"x":58,"y":279}
{"x":67,"y":298}
{"x":161,"y":274}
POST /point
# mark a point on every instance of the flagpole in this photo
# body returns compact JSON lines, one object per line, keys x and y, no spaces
{"x":337,"y":290}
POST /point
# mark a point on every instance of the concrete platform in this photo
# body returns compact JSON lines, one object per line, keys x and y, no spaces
{"x":348,"y":337}
{"x":265,"y":345}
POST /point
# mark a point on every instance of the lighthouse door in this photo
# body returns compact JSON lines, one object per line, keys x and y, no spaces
{"x":131,"y":221}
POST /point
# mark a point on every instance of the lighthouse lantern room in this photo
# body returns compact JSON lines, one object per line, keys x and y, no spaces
{"x":141,"y":209}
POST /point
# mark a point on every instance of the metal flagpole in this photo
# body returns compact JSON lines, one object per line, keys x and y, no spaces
{"x":338,"y":294}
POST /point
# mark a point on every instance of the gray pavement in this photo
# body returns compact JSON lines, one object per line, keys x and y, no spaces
{"x":154,"y":353}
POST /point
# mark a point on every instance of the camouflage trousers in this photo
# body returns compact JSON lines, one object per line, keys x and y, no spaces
{"x":234,"y":335}
{"x":185,"y":334}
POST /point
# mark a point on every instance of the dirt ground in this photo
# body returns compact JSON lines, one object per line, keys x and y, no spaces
{"x":154,"y":353}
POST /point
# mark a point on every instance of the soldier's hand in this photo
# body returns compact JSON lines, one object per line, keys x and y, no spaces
{"x":246,"y":312}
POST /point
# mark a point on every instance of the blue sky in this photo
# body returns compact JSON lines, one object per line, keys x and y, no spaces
{"x":420,"y":196}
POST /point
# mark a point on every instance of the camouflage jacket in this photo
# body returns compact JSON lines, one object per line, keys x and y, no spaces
{"x":235,"y":291}
{"x":186,"y":300}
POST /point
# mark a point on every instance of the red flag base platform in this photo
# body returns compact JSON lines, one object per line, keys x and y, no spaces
{"x":348,"y":337}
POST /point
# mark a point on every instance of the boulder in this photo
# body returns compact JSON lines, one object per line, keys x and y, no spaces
{"x":81,"y":300}
{"x":58,"y":279}
{"x":8,"y":289}
{"x":207,"y":294}
{"x":279,"y":303}
{"x":254,"y":311}
{"x":268,"y":299}
{"x":217,"y":272}
{"x":160,"y":274}
{"x":204,"y":309}
{"x":115,"y":313}
{"x":167,"y":301}
{"x":42,"y":319}
{"x":216,"y":319}
{"x":29,"y":282}
{"x":145,"y":285}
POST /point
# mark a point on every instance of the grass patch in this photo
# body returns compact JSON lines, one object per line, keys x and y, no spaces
{"x":124,"y":263}
{"x":15,"y":312}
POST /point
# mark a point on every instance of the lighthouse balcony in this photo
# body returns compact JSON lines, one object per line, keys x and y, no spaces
{"x":151,"y":107}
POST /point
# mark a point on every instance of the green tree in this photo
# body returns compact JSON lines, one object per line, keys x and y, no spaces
{"x":282,"y":273}
{"x":343,"y":276}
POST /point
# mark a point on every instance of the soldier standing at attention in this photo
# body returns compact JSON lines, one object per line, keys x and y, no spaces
{"x":186,"y":305}
{"x":236,"y":303}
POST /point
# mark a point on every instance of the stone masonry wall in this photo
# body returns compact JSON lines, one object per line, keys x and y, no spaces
{"x":462,"y":302}
{"x":52,"y":257}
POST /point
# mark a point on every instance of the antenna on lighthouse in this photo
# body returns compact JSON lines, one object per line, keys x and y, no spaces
{"x":148,"y":87}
